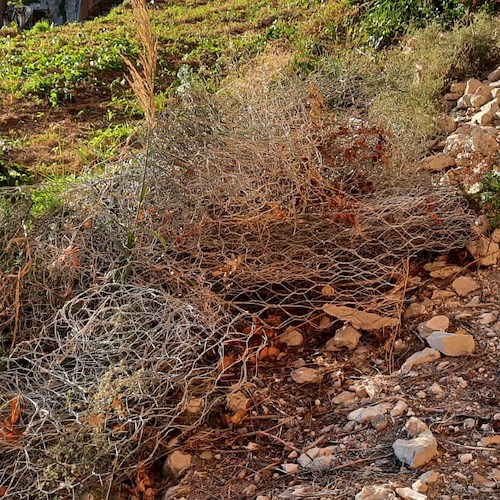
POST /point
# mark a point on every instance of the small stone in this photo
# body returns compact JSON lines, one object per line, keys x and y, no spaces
{"x":177,"y":463}
{"x":195,"y":405}
{"x":494,"y":75}
{"x":451,"y":344}
{"x":347,"y":337}
{"x":306,"y":375}
{"x":465,"y":458}
{"x":485,"y":251}
{"x":458,"y":87}
{"x":367,"y":414}
{"x":480,"y":480}
{"x":290,"y":468}
{"x":446,"y":272}
{"x":410,"y":494}
{"x":419,"y":358}
{"x":250,"y":490}
{"x":438,"y":162}
{"x":292,"y":337}
{"x":487,"y":113}
{"x":420,"y":486}
{"x":481,"y":96}
{"x":414,"y":310}
{"x":262,"y":497}
{"x":415,"y":426}
{"x":465,"y":285}
{"x":206,"y":455}
{"x":436,"y":389}
{"x":440,"y":295}
{"x":463,"y":384}
{"x":421,"y":395}
{"x":293,"y":454}
{"x":237,"y":401}
{"x":495,"y":236}
{"x":452,"y":96}
{"x":322,"y":462}
{"x":437,"y":323}
{"x":487,"y":318}
{"x":469,"y":423}
{"x":376,"y":492}
{"x":380,"y":423}
{"x":418,"y":451}
{"x":490,"y":440}
{"x":429,"y":477}
{"x":447,"y":124}
{"x":399,"y":409}
{"x":472,"y":85}
{"x":344,"y":397}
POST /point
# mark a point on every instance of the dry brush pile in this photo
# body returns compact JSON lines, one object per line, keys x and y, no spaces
{"x":124,"y":332}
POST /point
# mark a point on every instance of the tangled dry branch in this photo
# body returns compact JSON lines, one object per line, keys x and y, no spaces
{"x":258,"y":208}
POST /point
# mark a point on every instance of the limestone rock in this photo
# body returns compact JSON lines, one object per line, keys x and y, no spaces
{"x":445,"y":272}
{"x":291,"y":337}
{"x":452,"y":96}
{"x":177,"y":463}
{"x":417,"y":451}
{"x":367,"y":414}
{"x":414,"y":310}
{"x":438,"y":162}
{"x":436,"y":389}
{"x":376,"y":492}
{"x":464,"y":285}
{"x":481,"y":96}
{"x":487,"y":113}
{"x":440,"y":295}
{"x":415,"y":426}
{"x":344,"y":397}
{"x":347,"y":337}
{"x":495,"y":236}
{"x":485,"y":251}
{"x":419,"y":486}
{"x":458,"y":87}
{"x":410,"y":494}
{"x":451,"y":344}
{"x":361,"y":320}
{"x":472,"y":85}
{"x":399,"y":409}
{"x":306,"y":375}
{"x":429,"y":477}
{"x":438,"y":323}
{"x":447,"y":124}
{"x":419,"y":358}
{"x":494,"y":75}
{"x":290,"y":468}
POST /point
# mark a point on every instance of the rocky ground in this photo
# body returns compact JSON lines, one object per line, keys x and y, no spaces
{"x":349,"y":412}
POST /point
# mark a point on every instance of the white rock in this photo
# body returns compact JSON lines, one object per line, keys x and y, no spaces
{"x":487,"y":113}
{"x":177,"y":463}
{"x":290,"y":468}
{"x":464,"y":285}
{"x":451,"y":344}
{"x":472,"y":85}
{"x":291,"y":337}
{"x":418,"y":451}
{"x":347,"y":336}
{"x":494,"y":75}
{"x":376,"y":492}
{"x":414,"y":310}
{"x":367,"y":414}
{"x":306,"y":375}
{"x":410,"y":494}
{"x":399,"y":409}
{"x":465,"y":458}
{"x":437,"y":323}
{"x":438,"y":162}
{"x":323,"y":462}
{"x":419,"y":358}
{"x":429,"y":477}
{"x":485,"y":251}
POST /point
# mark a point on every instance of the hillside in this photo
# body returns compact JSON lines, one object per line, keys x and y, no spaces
{"x":251,"y":250}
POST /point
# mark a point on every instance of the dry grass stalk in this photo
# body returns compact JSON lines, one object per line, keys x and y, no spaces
{"x":143,"y":82}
